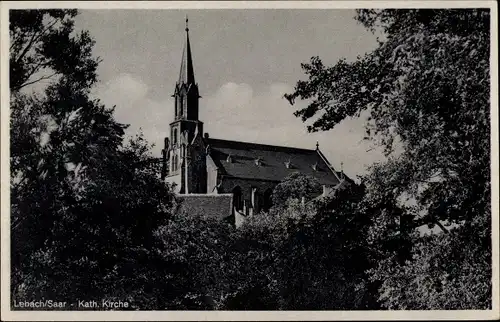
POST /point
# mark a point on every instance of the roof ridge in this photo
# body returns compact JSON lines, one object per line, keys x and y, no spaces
{"x":265,"y":145}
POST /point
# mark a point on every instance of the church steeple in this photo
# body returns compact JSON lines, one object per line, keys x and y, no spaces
{"x":186,"y":90}
{"x":186,"y":128}
{"x":186,"y":75}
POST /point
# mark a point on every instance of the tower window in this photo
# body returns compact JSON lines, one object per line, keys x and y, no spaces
{"x":181,"y":107}
{"x":174,"y":137}
{"x":183,"y":151}
{"x":175,"y":163}
{"x":176,"y":108}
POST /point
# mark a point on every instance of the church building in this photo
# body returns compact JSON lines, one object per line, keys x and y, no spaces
{"x":222,"y":175}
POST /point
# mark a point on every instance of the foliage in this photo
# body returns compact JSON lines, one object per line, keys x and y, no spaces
{"x":295,"y":186}
{"x":447,"y":271}
{"x":297,"y":257}
{"x":426,"y":90}
{"x":43,"y":46}
{"x":83,"y":205}
{"x":196,"y":251}
{"x":304,"y":257}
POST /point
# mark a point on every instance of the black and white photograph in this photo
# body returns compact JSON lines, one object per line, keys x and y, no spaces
{"x":242,"y":162}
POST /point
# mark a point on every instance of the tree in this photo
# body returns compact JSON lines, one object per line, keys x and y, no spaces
{"x":303,"y":256}
{"x":447,"y":271}
{"x":84,"y":206}
{"x":426,"y":90}
{"x":42,"y":47}
{"x":204,"y":269}
{"x":295,"y":186}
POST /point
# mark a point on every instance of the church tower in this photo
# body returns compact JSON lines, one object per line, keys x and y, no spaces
{"x":185,"y":127}
{"x":186,"y":98}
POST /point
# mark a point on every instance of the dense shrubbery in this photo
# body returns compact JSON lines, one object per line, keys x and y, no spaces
{"x":91,"y":219}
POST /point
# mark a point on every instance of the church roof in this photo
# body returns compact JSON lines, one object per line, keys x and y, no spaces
{"x":186,"y":74}
{"x":241,"y":160}
{"x":207,"y":205}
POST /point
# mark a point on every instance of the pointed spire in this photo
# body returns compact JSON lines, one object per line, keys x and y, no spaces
{"x":186,"y":75}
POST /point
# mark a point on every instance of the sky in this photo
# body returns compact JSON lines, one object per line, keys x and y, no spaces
{"x":244,"y":61}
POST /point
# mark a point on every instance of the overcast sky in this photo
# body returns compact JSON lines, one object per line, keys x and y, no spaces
{"x":244,"y":61}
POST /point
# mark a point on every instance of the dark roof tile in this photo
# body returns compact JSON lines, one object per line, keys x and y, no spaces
{"x":207,"y":205}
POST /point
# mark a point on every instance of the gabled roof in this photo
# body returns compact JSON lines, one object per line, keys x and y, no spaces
{"x":273,"y":158}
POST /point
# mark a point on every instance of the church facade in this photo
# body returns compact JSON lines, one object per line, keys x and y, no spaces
{"x":237,"y":177}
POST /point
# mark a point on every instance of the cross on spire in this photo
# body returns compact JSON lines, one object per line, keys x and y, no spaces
{"x":187,"y":28}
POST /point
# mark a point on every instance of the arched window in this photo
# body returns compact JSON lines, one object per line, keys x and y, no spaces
{"x":237,"y":198}
{"x":175,"y":161}
{"x":181,"y":105}
{"x":268,"y":199}
{"x":174,"y":137}
{"x":183,"y":150}
{"x":176,"y":107}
